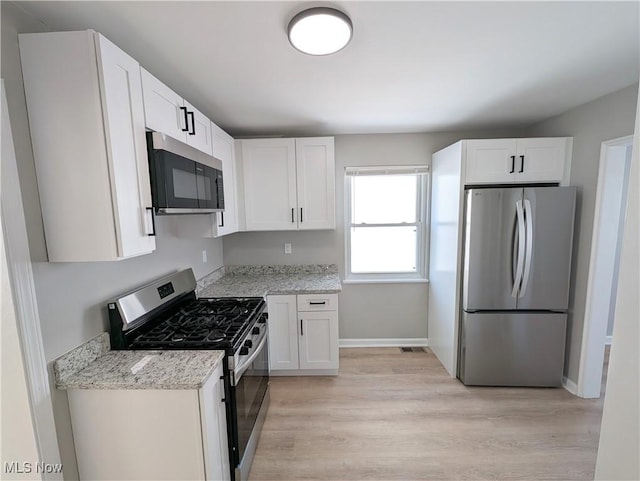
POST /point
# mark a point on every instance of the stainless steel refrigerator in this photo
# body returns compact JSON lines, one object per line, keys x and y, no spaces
{"x":515,"y":292}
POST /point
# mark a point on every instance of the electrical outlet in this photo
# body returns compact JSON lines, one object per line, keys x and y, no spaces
{"x":287,"y":248}
{"x":204,"y":256}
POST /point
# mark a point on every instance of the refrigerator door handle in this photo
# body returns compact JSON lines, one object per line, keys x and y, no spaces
{"x":528,"y":215}
{"x":521,"y":247}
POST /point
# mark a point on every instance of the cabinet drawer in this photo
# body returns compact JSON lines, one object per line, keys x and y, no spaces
{"x":317,"y":302}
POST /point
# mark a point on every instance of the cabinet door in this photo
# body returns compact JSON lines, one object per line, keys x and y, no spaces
{"x":269,"y":167}
{"x":318,"y":342}
{"x":541,"y":159}
{"x":214,"y":428}
{"x":163,"y":108}
{"x":283,"y":333}
{"x":199,"y":133}
{"x":490,"y":161}
{"x":126,"y":149}
{"x":224,"y":149}
{"x":315,"y":165}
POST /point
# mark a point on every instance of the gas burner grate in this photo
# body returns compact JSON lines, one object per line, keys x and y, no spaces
{"x":201,"y":323}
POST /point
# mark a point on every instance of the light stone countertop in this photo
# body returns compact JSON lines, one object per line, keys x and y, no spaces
{"x":259,"y":281}
{"x":145,"y":370}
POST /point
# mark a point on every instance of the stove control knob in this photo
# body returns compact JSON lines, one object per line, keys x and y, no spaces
{"x":244,"y":351}
{"x":263,"y":319}
{"x":255,"y":331}
{"x":248,"y":344}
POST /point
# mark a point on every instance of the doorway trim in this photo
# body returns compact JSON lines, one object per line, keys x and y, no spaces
{"x":595,"y":330}
{"x":20,"y":271}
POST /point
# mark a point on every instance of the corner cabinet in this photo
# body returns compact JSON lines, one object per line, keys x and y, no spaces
{"x":497,"y":161}
{"x":289,"y":184}
{"x":224,"y":149}
{"x":475,"y":162}
{"x":86,"y":116}
{"x":303,"y":334}
{"x":189,"y":443}
{"x":169,"y":113}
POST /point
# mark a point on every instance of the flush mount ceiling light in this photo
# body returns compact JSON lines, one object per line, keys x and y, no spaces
{"x":320,"y":31}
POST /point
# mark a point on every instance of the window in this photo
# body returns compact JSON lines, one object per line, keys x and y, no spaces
{"x":386,"y":223}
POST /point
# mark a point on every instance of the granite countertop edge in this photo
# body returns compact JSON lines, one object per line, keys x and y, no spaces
{"x":152,"y":370}
{"x":261,"y":281}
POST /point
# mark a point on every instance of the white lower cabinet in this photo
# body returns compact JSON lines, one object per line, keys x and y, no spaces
{"x":303,"y":334}
{"x":151,"y":433}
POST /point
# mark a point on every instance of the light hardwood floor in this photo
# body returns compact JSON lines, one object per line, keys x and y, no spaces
{"x":391,"y":415}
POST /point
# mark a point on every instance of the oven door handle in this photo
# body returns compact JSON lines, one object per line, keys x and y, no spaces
{"x":236,"y":374}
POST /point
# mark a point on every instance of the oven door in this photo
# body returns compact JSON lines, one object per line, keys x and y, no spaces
{"x":249,"y":384}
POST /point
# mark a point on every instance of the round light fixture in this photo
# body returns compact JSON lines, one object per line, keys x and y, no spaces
{"x":320,"y":31}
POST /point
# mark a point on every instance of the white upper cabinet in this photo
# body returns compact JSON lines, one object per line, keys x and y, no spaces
{"x":316,"y":184}
{"x":543,"y":159}
{"x":86,"y":116}
{"x":289,"y":184}
{"x":269,"y":169}
{"x":491,"y":161}
{"x":167,"y":112}
{"x":498,"y":161}
{"x":224,"y":149}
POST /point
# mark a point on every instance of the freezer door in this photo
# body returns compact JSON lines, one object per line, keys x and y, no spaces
{"x":512,"y":349}
{"x":491,"y":248}
{"x":549,"y":217}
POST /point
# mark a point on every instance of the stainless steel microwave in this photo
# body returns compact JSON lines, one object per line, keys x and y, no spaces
{"x":184,"y":180}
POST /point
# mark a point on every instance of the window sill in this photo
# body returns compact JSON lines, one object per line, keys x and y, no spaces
{"x":385,"y":281}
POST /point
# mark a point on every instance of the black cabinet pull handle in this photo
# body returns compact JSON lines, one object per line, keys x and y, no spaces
{"x":293,"y":212}
{"x":521,"y":164}
{"x":513,"y":164}
{"x":300,"y":214}
{"x":221,"y":220}
{"x":186,"y":119}
{"x":153,"y":222}
{"x":301,"y":328}
{"x":321,"y":303}
{"x":193,"y":123}
{"x":224,"y":400}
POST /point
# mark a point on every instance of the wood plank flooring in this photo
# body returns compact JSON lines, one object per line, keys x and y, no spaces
{"x":393,"y":415}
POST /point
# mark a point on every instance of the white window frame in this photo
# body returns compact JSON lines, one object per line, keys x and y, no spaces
{"x":421,"y":224}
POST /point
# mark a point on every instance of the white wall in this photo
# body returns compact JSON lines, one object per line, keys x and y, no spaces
{"x":72,"y":296}
{"x":620,"y":433}
{"x":606,"y":118}
{"x":379,"y":311}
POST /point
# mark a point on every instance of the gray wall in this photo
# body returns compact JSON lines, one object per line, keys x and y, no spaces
{"x":367,"y":311}
{"x":606,"y":118}
{"x":71,"y":296}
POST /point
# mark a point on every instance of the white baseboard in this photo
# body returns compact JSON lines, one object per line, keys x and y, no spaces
{"x":569,"y":385}
{"x":417,"y":342}
{"x":607,"y":340}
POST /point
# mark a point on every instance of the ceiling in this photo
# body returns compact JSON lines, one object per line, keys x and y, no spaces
{"x":410,"y":67}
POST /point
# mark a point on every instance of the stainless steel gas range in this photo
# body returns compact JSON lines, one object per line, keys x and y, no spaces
{"x":166,"y":314}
